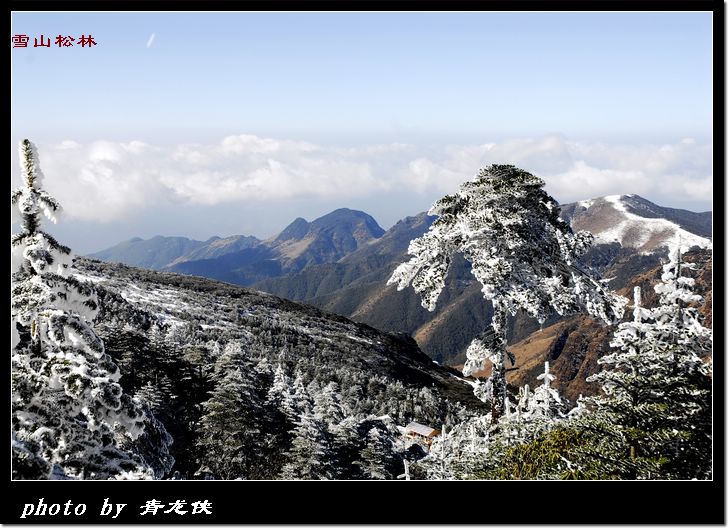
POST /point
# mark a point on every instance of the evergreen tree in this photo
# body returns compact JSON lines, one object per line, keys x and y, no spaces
{"x":300,"y":401}
{"x":71,"y":418}
{"x":547,"y":402}
{"x":279,"y":393}
{"x":654,"y":419}
{"x":377,"y":459}
{"x":310,"y":455}
{"x":153,"y":445}
{"x":345,"y":445}
{"x":230,"y":441}
{"x":151,"y":396}
{"x":280,"y":418}
{"x":327,"y":405}
{"x":522,"y":253}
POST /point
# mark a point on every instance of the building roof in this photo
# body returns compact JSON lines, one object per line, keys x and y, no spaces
{"x":420,"y":429}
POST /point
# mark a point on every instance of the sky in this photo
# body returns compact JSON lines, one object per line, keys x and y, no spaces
{"x":202,"y":124}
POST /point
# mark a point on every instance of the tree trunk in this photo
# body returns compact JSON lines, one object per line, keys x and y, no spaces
{"x":498,"y":377}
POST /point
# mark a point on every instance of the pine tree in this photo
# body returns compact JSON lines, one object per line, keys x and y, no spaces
{"x":547,"y":401}
{"x":327,"y":405}
{"x":230,"y":440}
{"x":377,"y":459}
{"x":153,"y":445}
{"x":345,"y":446}
{"x":654,"y":420}
{"x":279,"y":393}
{"x":280,"y":419}
{"x":300,"y":401}
{"x":533,"y":414}
{"x":71,"y":418}
{"x":524,"y":256}
{"x":310,"y":456}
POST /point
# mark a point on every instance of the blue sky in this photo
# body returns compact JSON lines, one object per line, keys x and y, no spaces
{"x":599,"y":83}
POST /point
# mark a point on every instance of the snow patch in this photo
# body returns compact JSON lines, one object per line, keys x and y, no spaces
{"x":359,"y":339}
{"x":89,"y":278}
{"x":647,"y":234}
{"x":586,"y":204}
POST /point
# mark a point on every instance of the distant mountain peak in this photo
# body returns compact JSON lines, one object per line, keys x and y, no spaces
{"x":346,"y":215}
{"x":160,"y":252}
{"x":326,"y":239}
{"x":296,"y":230}
{"x":635,"y":222}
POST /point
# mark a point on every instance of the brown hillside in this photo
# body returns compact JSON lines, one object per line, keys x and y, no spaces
{"x":572,"y":346}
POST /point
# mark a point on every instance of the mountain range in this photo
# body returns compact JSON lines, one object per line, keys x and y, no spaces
{"x":160,"y":252}
{"x":341,"y":262}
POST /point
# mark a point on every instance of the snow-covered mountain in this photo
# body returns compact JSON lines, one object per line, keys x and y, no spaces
{"x":167,"y":331}
{"x":636,"y":223}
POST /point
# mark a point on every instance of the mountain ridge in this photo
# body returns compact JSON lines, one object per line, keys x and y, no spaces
{"x":356,"y":287}
{"x":332,"y":269}
{"x":245,"y":258}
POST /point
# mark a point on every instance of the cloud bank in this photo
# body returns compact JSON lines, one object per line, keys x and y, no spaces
{"x":107,"y":181}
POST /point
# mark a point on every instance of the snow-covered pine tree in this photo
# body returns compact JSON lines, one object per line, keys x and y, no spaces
{"x":525,"y":257}
{"x":345,"y":446}
{"x":309,"y":457}
{"x":70,"y":416}
{"x":654,"y":418}
{"x":547,"y":402}
{"x":230,"y":440}
{"x":377,"y":459}
{"x":327,"y":405}
{"x":462,"y":452}
{"x":280,"y":389}
{"x":154,"y":444}
{"x":280,"y":418}
{"x":689,"y":353}
{"x":300,"y":399}
{"x":534,"y":413}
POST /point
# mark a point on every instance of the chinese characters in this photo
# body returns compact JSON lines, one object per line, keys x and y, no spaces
{"x":179,"y":507}
{"x":60,"y":41}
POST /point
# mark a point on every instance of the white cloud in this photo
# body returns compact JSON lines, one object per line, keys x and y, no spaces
{"x":575,"y":170}
{"x":105,"y":181}
{"x":151,"y":40}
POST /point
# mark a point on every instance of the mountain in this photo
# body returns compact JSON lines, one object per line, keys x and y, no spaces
{"x":631,"y":236}
{"x":216,"y":247}
{"x":326,"y":239}
{"x":301,"y":244}
{"x":356,"y":287}
{"x":160,"y":251}
{"x":633,"y":222}
{"x":154,"y":253}
{"x":166,"y":331}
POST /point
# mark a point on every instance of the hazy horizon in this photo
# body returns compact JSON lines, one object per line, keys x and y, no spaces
{"x":202,"y":124}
